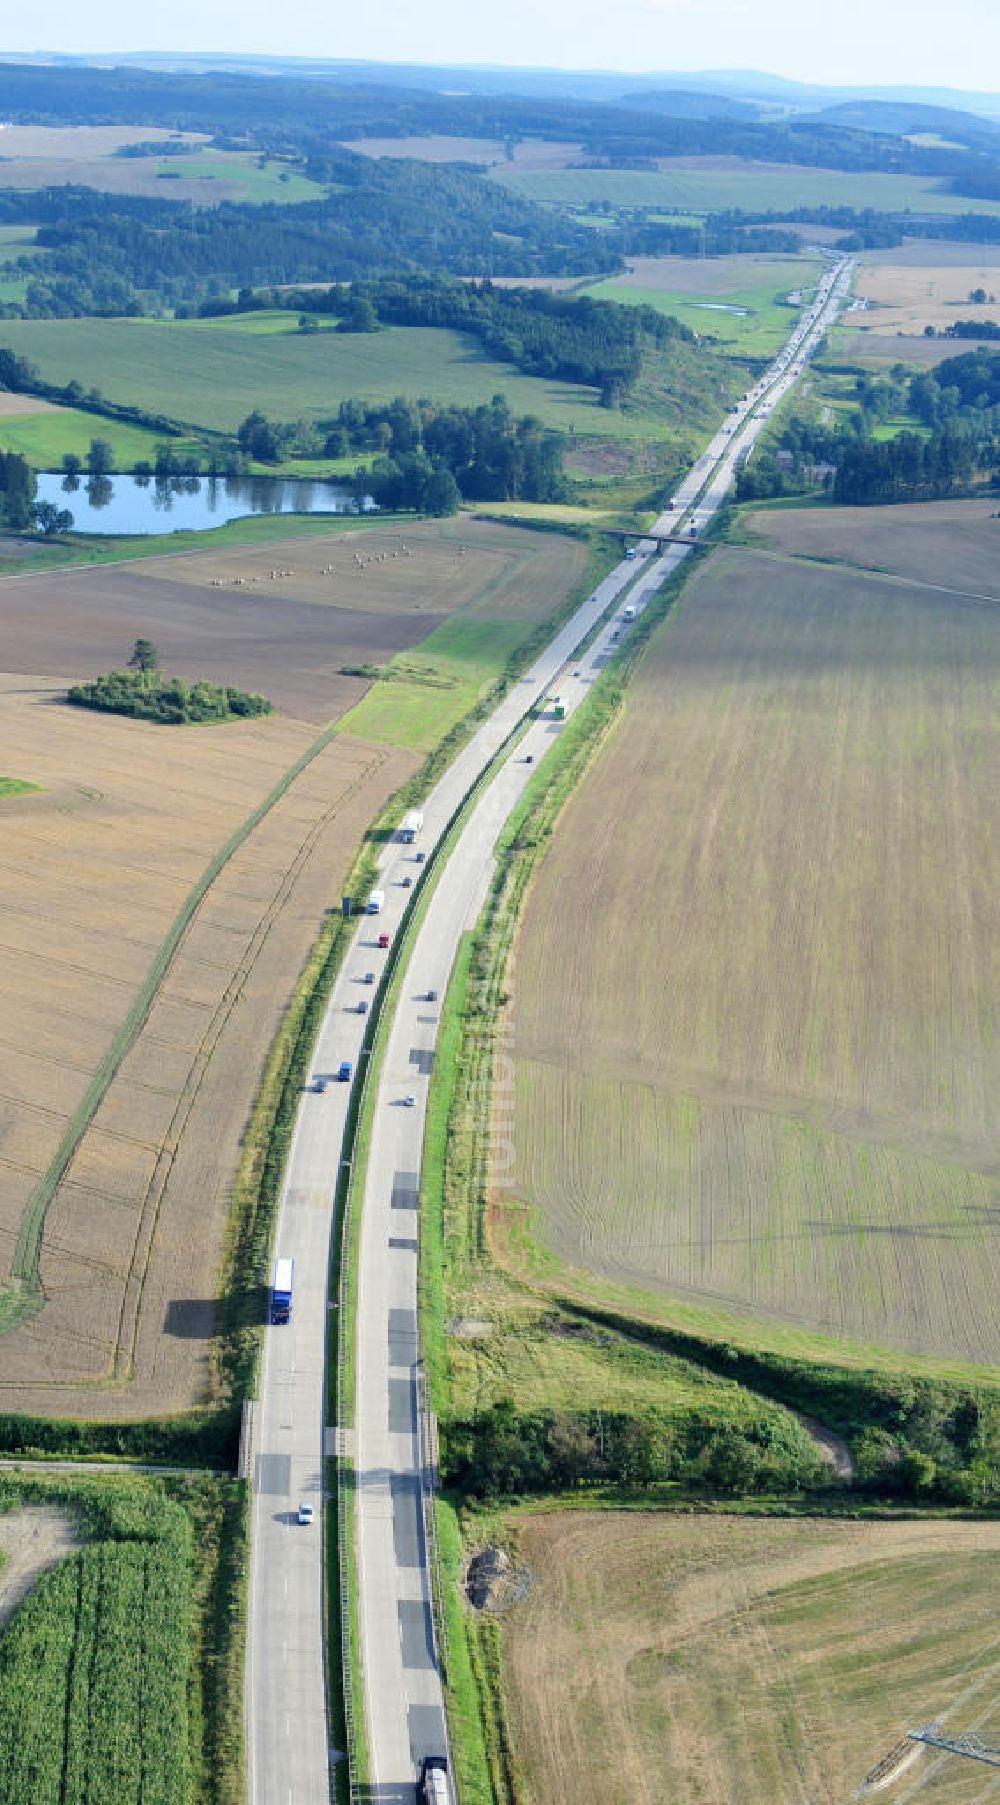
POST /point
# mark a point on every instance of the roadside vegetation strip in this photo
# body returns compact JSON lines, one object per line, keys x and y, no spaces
{"x":916,"y":1428}
{"x":345,"y":1250}
{"x":25,"y":1269}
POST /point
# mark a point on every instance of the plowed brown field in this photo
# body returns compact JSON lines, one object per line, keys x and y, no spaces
{"x":756,"y":1036}
{"x":221,"y":614}
{"x":95,"y":867}
{"x":705,"y":1661}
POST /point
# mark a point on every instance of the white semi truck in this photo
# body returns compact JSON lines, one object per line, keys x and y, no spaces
{"x":412,"y":826}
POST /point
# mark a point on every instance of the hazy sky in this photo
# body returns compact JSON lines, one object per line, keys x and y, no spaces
{"x":848,"y":41}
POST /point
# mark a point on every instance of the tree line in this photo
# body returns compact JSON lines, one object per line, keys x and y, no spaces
{"x":282,"y":112}
{"x":576,"y":339}
{"x":959,"y":406}
{"x":428,"y":457}
{"x":128,"y":254}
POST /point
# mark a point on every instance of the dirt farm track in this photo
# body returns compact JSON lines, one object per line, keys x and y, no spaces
{"x":97,"y":864}
{"x":754,"y":1010}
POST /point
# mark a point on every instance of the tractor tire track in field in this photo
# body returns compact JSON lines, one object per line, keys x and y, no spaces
{"x":170,"y":1145}
{"x":25,"y":1272}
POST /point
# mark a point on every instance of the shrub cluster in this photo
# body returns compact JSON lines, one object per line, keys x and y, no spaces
{"x":504,"y":1452}
{"x":148,"y":696}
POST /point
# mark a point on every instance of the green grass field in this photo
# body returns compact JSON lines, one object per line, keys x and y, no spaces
{"x":425,"y":692}
{"x":429,"y":689}
{"x":760,"y":327}
{"x":16,"y":786}
{"x":275,"y":183}
{"x":210,"y":374}
{"x":43,"y":438}
{"x":755,"y":187}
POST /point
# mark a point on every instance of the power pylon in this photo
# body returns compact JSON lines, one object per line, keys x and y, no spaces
{"x":972,"y":1747}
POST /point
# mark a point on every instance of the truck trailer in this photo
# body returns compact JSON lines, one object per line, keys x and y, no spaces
{"x":411,"y":827}
{"x":282,"y":1284}
{"x":433,"y":1787}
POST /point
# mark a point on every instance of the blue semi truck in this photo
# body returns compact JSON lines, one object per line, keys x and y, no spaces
{"x":282,"y":1285}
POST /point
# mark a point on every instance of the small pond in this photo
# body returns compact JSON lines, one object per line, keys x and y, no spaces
{"x":171,"y":504}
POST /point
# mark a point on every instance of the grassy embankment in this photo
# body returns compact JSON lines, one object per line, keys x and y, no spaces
{"x":515,"y":1343}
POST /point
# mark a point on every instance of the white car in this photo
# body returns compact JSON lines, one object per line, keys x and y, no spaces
{"x":409,"y":1102}
{"x":306,"y":1514}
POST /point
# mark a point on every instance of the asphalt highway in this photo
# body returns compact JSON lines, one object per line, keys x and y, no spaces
{"x":289,"y":1754}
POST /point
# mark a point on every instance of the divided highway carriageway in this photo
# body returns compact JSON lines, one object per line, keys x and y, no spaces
{"x":383,"y":1461}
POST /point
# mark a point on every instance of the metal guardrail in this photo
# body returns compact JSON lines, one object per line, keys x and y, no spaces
{"x":343,"y":1202}
{"x":429,"y":1479}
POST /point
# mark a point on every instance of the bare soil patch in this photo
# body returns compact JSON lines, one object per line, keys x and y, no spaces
{"x":914,"y":253}
{"x":719,"y":1659}
{"x":954,"y":544}
{"x":65,"y":143}
{"x":23,"y":404}
{"x":31,"y":1541}
{"x":90,"y":882}
{"x":755,"y":1015}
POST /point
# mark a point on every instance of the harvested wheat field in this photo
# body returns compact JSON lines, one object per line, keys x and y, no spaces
{"x":99,"y":862}
{"x":755,"y":987}
{"x":708,"y":1660}
{"x":94,"y":870}
{"x":906,"y":297}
